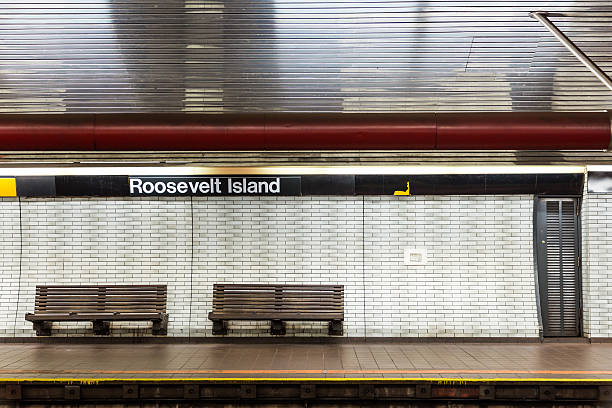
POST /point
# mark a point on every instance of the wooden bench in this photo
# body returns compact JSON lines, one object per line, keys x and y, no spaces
{"x":100,"y":305}
{"x":277,"y":303}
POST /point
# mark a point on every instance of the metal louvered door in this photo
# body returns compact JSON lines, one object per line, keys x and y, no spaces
{"x":558,"y":254}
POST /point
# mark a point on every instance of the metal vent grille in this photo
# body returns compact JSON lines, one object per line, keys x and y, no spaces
{"x":561,"y":303}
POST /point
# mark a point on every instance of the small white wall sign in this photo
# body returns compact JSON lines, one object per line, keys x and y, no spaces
{"x":415,"y":256}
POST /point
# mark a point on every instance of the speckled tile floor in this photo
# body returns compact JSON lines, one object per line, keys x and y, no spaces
{"x":223,"y":360}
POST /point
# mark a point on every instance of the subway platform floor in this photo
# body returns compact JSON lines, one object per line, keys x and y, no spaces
{"x":504,"y":361}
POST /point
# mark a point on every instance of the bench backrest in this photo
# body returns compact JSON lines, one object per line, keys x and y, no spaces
{"x":310,"y":299}
{"x":116,"y":298}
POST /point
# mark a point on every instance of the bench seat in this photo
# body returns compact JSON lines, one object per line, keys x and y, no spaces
{"x":277,"y":303}
{"x":75,"y":317}
{"x":100,"y":305}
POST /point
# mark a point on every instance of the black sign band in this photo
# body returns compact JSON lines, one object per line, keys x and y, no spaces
{"x":305,"y":185}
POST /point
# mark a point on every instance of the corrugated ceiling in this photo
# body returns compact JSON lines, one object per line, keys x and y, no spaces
{"x":357,"y":56}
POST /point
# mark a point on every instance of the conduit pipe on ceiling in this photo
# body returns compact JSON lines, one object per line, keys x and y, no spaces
{"x":308,"y":131}
{"x":541,"y":16}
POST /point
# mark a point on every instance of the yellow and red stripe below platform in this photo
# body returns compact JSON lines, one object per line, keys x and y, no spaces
{"x":310,"y":372}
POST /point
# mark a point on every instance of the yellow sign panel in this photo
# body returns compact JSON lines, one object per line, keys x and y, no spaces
{"x":8,"y":187}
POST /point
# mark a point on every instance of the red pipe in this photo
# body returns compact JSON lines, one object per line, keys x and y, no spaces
{"x":524,"y":131}
{"x":296,"y":131}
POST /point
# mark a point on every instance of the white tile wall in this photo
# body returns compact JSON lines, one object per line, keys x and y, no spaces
{"x":597,"y":264}
{"x":9,"y":266}
{"x":106,"y":241}
{"x":585,"y":270}
{"x":305,"y":240}
{"x":479,"y":277}
{"x":478,"y":280}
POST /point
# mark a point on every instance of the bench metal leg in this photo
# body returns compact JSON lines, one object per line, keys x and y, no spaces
{"x":219,"y":327}
{"x":277,"y":327}
{"x":101,"y":327}
{"x":42,"y":328}
{"x":335,"y":328}
{"x":160,"y":327}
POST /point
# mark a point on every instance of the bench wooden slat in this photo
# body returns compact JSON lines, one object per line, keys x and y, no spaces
{"x":89,"y":289}
{"x":100,"y":308}
{"x":45,"y":287}
{"x":271,"y":292}
{"x":311,"y":300}
{"x":72,"y":292}
{"x":271,"y":309}
{"x":86,"y":316}
{"x":272,"y":285}
{"x":44,"y":302}
{"x":278,"y":304}
{"x":277,"y":315}
{"x":107,"y":299}
{"x":273,"y":296}
{"x":264,"y":287}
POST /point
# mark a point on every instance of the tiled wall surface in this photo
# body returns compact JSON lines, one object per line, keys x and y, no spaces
{"x":597,"y":264}
{"x":478,"y":279}
{"x":308,"y":240}
{"x":479,"y":276}
{"x":106,"y":241}
{"x":9,"y":266}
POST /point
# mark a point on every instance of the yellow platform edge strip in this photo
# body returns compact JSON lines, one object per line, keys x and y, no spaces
{"x":208,"y":379}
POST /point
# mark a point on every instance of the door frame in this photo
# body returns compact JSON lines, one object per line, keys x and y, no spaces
{"x":537,"y":258}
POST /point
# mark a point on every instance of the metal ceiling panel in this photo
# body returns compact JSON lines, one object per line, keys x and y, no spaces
{"x":317,"y":56}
